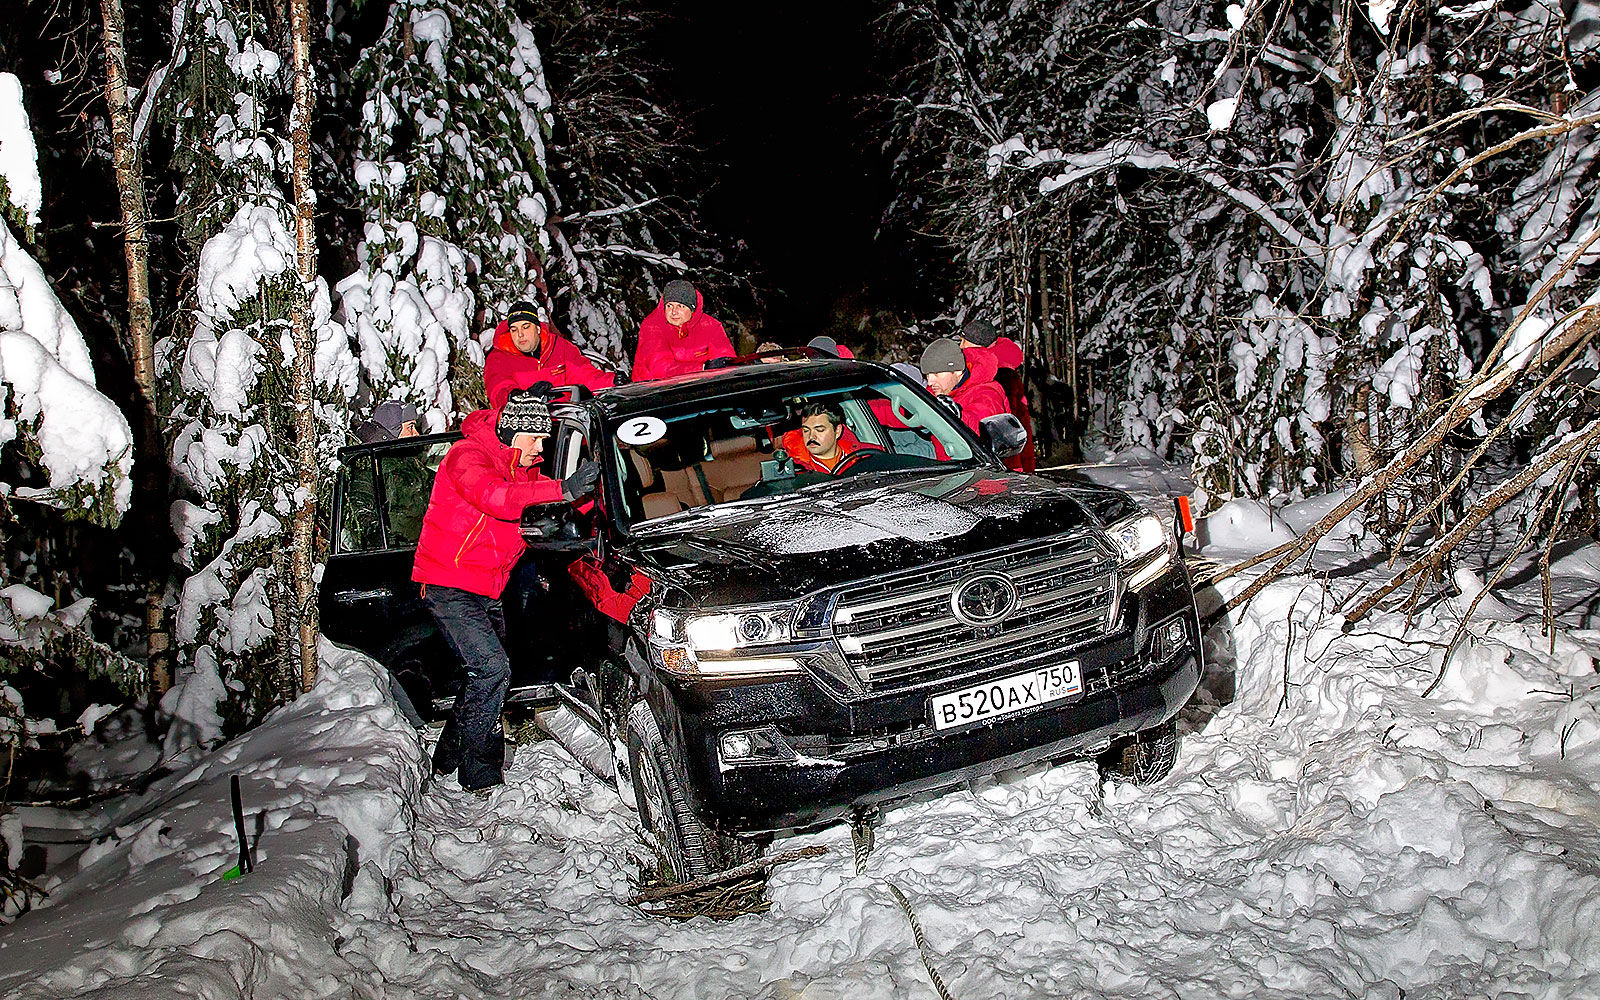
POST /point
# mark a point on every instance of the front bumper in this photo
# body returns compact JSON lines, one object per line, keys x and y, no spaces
{"x":846,"y":756}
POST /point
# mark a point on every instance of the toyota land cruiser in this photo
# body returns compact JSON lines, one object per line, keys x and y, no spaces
{"x":748,"y":647}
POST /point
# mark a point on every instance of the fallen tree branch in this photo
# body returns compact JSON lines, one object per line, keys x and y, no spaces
{"x":1474,"y":397}
{"x":731,"y":875}
{"x":1575,"y":445}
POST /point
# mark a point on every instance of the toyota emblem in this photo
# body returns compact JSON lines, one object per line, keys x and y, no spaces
{"x":985,"y":599}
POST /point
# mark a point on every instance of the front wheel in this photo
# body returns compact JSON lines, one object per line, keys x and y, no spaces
{"x":692,"y":849}
{"x":1143,"y":758}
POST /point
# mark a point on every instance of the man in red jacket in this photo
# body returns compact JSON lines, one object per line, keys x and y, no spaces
{"x":527,"y":352}
{"x":964,"y":380}
{"x":471,"y":539}
{"x":678,"y":337}
{"x":1008,"y":356}
{"x":822,"y":441}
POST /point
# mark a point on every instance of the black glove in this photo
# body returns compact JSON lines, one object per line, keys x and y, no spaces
{"x":621,"y":377}
{"x":543,"y":389}
{"x":581,"y":483}
{"x":951,"y":405}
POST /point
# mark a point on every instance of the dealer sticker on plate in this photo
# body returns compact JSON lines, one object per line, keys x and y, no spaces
{"x":1016,"y":693}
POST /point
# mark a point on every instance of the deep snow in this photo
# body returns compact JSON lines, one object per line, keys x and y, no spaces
{"x":1327,"y":832}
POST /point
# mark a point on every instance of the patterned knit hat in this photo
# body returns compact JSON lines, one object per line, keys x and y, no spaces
{"x":525,"y":412}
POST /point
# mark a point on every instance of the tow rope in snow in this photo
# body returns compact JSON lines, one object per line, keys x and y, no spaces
{"x":922,"y":942}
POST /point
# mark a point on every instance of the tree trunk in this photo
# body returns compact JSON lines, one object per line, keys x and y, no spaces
{"x":303,"y":377}
{"x":141,"y":348}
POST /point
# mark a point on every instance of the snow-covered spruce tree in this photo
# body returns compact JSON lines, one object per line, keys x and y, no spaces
{"x":62,"y":444}
{"x":451,"y":181}
{"x":1300,"y":230}
{"x":227,"y":367}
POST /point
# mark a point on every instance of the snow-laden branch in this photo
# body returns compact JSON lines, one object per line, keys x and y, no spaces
{"x":150,"y":95}
{"x":671,"y":260}
{"x":1137,"y":154}
{"x":606,"y":213}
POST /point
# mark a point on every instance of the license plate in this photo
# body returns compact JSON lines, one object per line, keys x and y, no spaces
{"x":1006,"y":696}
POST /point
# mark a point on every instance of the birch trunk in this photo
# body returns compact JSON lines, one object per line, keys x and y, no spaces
{"x":302,"y":377}
{"x":151,"y":461}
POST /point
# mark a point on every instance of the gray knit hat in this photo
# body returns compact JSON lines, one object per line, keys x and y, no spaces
{"x":525,"y":412}
{"x":679,"y":291}
{"x":980,"y":333}
{"x":826,"y":344}
{"x":943,"y":355}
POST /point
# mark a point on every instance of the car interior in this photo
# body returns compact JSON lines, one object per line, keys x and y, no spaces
{"x":711,"y":457}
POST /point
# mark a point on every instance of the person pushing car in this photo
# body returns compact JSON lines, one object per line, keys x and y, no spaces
{"x":471,"y":539}
{"x":678,"y":336}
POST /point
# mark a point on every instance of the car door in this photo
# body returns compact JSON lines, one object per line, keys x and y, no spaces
{"x":367,"y":598}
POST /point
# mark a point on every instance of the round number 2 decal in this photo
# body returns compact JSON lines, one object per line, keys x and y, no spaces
{"x":641,"y":430}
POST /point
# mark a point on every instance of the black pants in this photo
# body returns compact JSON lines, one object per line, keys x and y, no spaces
{"x":474,"y":740}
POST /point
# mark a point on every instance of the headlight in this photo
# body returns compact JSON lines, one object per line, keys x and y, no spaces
{"x":724,"y":631}
{"x":1145,"y":546}
{"x":682,"y":636}
{"x":1138,"y":536}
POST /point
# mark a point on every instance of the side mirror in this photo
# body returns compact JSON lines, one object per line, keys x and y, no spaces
{"x":552,"y":527}
{"x":1004,"y":434}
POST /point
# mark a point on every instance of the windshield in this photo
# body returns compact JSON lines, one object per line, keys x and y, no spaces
{"x":774,"y":441}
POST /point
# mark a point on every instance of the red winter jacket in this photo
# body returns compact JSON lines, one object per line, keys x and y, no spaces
{"x":665,"y":350}
{"x":795,"y":444}
{"x":471,"y":536}
{"x":977,"y":393}
{"x":1008,"y":356}
{"x":559,"y":362}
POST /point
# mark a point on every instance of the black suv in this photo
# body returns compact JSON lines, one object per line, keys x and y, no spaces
{"x":746,"y":646}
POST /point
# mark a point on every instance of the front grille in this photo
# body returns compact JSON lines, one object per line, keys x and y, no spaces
{"x":901,"y":631}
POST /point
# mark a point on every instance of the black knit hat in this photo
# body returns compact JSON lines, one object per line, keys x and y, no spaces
{"x":525,"y":412}
{"x":679,"y":291}
{"x":522,"y":312}
{"x":943,"y":355}
{"x":980,"y":333}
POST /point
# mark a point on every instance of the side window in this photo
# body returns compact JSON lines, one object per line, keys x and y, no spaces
{"x":359,"y":526}
{"x":407,"y":486}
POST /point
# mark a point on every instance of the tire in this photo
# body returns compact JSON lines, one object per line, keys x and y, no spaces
{"x":1143,"y":758}
{"x":692,"y":849}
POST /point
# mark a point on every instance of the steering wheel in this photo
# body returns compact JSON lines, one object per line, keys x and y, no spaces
{"x":854,"y":459}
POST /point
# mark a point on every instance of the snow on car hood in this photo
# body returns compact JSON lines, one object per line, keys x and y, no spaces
{"x":784,"y":546}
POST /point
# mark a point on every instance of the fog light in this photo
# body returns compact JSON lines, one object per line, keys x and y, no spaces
{"x":1169,"y":637}
{"x":737,"y":746}
{"x":755,"y":746}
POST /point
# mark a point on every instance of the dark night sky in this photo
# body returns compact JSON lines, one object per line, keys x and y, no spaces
{"x":779,"y":97}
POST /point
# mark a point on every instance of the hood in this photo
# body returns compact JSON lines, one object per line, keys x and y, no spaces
{"x":1006,"y":353}
{"x":478,"y":428}
{"x":783,"y":547}
{"x":981,"y":364}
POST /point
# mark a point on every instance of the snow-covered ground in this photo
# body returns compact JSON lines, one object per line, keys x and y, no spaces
{"x":1327,"y":832}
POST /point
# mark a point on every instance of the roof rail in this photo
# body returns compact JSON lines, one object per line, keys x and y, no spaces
{"x":782,"y":354}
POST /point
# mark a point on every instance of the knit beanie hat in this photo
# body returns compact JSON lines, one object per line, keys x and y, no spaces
{"x":522,"y":312}
{"x":679,"y":291}
{"x":908,"y":370}
{"x":943,"y":355}
{"x":825,"y":344}
{"x":525,"y":412}
{"x":980,"y":333}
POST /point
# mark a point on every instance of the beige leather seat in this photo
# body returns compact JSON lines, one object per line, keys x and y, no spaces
{"x":657,"y":502}
{"x":735,"y":466}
